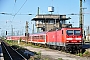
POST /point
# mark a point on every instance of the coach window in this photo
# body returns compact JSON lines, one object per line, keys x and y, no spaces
{"x":32,"y":37}
{"x":35,"y":37}
{"x":41,"y":37}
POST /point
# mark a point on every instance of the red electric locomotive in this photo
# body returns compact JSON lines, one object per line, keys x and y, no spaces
{"x":68,"y":39}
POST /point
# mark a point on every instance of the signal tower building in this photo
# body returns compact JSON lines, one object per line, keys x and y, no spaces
{"x":46,"y":22}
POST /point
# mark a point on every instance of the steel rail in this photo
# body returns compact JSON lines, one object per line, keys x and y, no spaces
{"x":14,"y":51}
{"x":7,"y":51}
{"x":19,"y":54}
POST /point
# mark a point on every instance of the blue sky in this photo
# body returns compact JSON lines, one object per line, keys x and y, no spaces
{"x":18,"y":22}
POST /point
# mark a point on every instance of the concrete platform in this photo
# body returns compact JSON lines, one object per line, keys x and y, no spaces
{"x":1,"y":54}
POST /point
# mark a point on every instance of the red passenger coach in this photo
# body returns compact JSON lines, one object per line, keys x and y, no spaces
{"x":13,"y":37}
{"x":16,"y":38}
{"x":38,"y":38}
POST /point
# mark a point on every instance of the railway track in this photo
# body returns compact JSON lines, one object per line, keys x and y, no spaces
{"x":10,"y":53}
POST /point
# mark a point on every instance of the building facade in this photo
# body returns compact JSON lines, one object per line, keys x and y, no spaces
{"x":46,"y":22}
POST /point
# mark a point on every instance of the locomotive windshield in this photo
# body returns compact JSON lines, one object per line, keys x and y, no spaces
{"x":73,"y":32}
{"x":69,"y":32}
{"x":77,"y":32}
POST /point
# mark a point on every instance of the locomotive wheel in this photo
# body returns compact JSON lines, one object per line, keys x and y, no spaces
{"x":63,"y":48}
{"x":67,"y":51}
{"x":45,"y":46}
{"x":35,"y":44}
{"x":59,"y":48}
{"x":55,"y":47}
{"x":50,"y":46}
{"x":78,"y":51}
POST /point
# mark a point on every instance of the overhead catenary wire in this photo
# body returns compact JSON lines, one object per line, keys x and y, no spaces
{"x":13,"y":9}
{"x":15,"y":1}
{"x":19,"y":9}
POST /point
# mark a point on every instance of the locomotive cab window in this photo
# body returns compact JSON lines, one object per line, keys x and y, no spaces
{"x":77,"y":32}
{"x":69,"y":32}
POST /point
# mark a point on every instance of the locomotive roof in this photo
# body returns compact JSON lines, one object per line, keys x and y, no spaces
{"x":74,"y":28}
{"x":64,"y":28}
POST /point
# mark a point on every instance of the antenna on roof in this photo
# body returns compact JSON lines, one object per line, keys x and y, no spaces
{"x":38,"y":11}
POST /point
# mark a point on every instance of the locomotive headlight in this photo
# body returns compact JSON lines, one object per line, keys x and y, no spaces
{"x":72,"y":41}
{"x":80,"y":41}
{"x":67,"y":41}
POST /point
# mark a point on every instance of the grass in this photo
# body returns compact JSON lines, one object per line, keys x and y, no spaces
{"x":86,"y":54}
{"x":46,"y":58}
{"x":39,"y":54}
{"x":80,"y":54}
{"x":22,"y":44}
{"x":60,"y":59}
{"x":11,"y":42}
